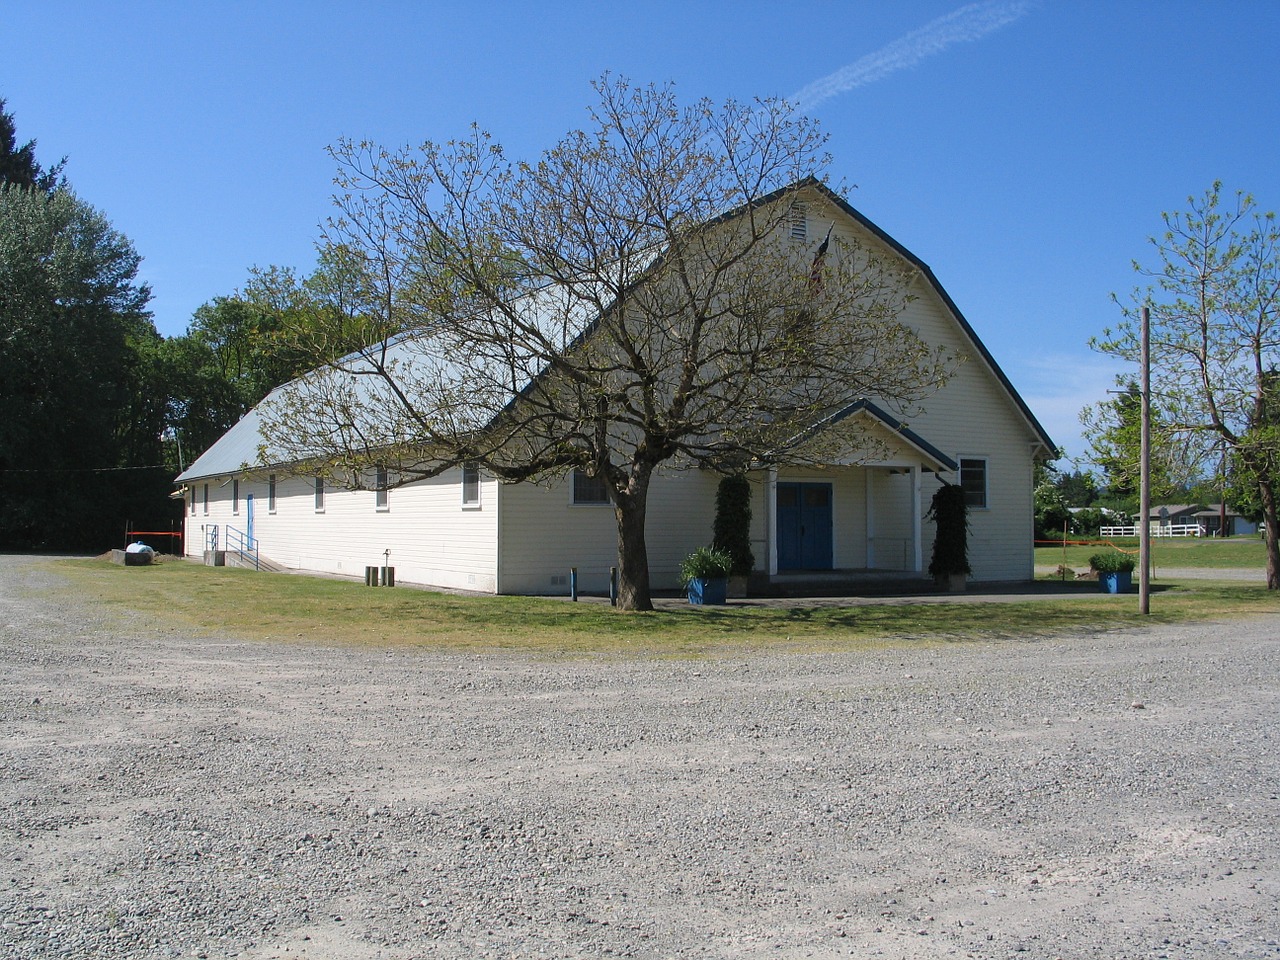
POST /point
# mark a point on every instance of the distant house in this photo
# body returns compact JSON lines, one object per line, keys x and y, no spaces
{"x":464,"y":529}
{"x":1206,"y":516}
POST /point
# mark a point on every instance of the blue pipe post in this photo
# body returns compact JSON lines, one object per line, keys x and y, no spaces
{"x":613,"y":586}
{"x":573,"y":584}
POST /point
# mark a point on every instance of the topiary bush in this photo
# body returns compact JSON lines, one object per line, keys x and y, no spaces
{"x":950,"y":514}
{"x":731,"y":531}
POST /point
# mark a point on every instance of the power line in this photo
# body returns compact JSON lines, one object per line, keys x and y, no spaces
{"x":154,"y":466}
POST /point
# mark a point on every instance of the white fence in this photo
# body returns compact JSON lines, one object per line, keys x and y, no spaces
{"x":1158,"y":530}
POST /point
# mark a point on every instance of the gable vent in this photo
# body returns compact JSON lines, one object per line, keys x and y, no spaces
{"x":799,"y":222}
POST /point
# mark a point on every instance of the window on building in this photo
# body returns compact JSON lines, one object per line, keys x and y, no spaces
{"x":235,"y":497}
{"x":587,"y":489}
{"x":973,"y":480}
{"x":381,"y":489}
{"x":193,"y":501}
{"x":271,"y":493}
{"x":471,"y":484}
{"x":206,"y":499}
{"x":319,"y":494}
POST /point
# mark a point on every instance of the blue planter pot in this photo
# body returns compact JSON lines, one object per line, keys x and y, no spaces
{"x":708,"y":591}
{"x":1119,"y":582}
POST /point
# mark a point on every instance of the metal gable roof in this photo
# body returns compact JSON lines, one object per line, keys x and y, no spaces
{"x":938,"y":459}
{"x":231,"y":452}
{"x":241,"y":446}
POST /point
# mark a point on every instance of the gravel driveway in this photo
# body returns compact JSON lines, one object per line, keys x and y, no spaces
{"x":170,"y":795}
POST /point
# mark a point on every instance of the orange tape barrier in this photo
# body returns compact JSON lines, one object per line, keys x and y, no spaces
{"x":1084,"y":543}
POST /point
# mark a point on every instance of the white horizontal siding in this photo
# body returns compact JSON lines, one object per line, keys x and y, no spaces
{"x":544,"y":533}
{"x":433,"y":540}
{"x":973,"y":416}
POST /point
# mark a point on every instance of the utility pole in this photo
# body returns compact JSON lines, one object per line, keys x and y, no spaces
{"x":1144,"y":481}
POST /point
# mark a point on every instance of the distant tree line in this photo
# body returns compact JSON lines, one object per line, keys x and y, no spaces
{"x":79,"y":439}
{"x":101,"y":411}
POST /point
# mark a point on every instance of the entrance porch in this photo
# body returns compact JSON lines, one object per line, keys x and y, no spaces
{"x":851,"y":519}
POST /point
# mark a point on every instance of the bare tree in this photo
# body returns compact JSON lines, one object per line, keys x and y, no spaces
{"x":1215,"y":338}
{"x":634,"y":298}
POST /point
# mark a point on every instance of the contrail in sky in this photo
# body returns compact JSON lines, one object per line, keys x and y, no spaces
{"x":970,"y":22}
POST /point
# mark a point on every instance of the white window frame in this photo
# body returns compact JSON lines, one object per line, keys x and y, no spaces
{"x":193,"y":501}
{"x":381,"y":490}
{"x":573,"y":490}
{"x":986,"y":481}
{"x":319,"y":494}
{"x":470,"y":479}
{"x":271,"y":493}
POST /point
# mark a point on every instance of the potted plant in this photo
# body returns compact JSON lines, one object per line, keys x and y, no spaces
{"x":731,"y":531}
{"x":950,"y":514}
{"x":705,"y":573}
{"x":1115,"y":571}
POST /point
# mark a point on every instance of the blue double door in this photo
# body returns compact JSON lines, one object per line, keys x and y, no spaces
{"x":804,"y":526}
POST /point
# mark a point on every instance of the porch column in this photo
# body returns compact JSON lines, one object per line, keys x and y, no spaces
{"x":771,"y":519}
{"x":916,"y":521}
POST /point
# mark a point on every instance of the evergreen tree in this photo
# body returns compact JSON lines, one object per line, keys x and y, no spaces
{"x":75,"y":381}
{"x":18,"y":164}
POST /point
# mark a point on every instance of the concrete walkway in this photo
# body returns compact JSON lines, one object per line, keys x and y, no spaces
{"x":995,"y":593}
{"x":1037,"y":590}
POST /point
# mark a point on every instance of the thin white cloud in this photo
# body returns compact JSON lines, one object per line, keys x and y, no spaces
{"x":970,"y":22}
{"x":1057,"y":387}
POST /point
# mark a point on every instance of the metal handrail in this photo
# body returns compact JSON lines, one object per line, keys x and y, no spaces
{"x":245,"y":546}
{"x":211,"y":537}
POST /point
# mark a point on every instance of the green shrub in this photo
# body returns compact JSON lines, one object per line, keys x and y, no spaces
{"x":1113,"y":562}
{"x":1088,"y":522}
{"x":950,"y":513}
{"x":705,"y":563}
{"x":731,"y":531}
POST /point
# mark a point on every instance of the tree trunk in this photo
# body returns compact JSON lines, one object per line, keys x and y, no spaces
{"x":633,"y":553}
{"x":1271,"y":532}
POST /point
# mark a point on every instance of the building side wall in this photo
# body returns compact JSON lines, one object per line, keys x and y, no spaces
{"x":973,"y":417}
{"x":544,"y":533}
{"x":432,"y":539}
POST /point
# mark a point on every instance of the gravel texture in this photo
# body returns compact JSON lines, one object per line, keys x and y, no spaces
{"x":169,"y":795}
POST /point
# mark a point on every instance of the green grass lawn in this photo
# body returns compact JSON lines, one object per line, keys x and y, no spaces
{"x":1168,"y":553}
{"x":301,"y":609}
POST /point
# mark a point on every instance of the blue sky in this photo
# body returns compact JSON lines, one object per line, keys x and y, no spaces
{"x":1024,"y":150}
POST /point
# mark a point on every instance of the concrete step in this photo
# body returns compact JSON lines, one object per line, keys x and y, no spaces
{"x":265,"y":564}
